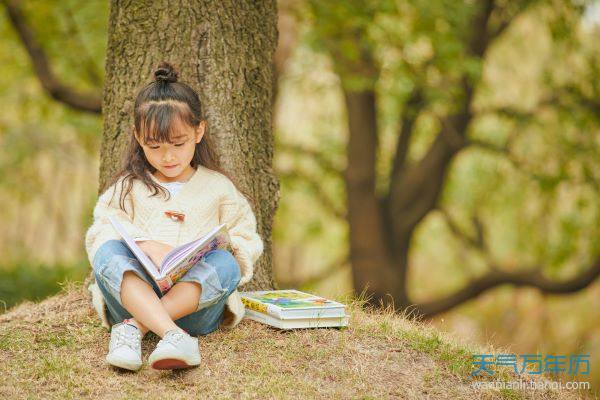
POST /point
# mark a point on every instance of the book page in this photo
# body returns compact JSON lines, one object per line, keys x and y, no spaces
{"x":190,"y":252}
{"x":177,"y":253}
{"x":137,"y":251}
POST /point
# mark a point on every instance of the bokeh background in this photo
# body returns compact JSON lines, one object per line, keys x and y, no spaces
{"x":538,"y":200}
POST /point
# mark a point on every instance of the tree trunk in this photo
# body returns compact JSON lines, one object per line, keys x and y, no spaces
{"x":372,"y":267}
{"x":223,"y":50}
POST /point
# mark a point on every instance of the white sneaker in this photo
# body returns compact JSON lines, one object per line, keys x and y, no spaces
{"x":125,"y":347}
{"x":177,"y":349}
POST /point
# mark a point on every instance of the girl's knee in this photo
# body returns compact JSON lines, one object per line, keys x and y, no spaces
{"x":226,"y":266}
{"x":107,"y":250}
{"x":218,"y":255}
{"x":233,"y":274}
{"x":97,"y":275}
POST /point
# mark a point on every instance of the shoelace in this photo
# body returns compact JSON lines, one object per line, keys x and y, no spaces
{"x":172,"y":337}
{"x":131,"y":339}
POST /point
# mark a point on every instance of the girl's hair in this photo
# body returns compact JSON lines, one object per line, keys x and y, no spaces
{"x":159,"y":107}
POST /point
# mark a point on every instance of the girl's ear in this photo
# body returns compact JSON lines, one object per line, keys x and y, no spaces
{"x":200,"y":131}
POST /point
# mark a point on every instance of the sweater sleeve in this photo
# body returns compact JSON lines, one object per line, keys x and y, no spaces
{"x":235,"y":211}
{"x":101,"y":229}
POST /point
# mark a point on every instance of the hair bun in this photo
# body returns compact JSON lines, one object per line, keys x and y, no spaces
{"x":165,"y":73}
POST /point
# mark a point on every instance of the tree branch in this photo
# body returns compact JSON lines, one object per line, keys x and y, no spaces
{"x":589,"y":102}
{"x":559,"y":99}
{"x":504,"y":150}
{"x":478,"y":241}
{"x":502,"y":18}
{"x":317,"y":189}
{"x":415,"y":192}
{"x":534,"y":278}
{"x":89,"y":102}
{"x":325,"y":273}
{"x":538,"y":177}
{"x":324,"y":162}
{"x":408,"y":117}
{"x":480,"y":37}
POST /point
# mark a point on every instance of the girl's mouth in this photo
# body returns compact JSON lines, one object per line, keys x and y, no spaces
{"x":170,"y":166}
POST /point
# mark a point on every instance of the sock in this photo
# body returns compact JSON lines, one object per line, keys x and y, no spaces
{"x":128,"y":321}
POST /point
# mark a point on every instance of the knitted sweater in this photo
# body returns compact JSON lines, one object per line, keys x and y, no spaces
{"x":207,"y":199}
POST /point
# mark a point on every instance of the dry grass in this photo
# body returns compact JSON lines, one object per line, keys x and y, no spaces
{"x":56,"y":349}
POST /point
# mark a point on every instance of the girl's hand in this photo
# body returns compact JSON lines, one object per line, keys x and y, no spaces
{"x":155,"y":250}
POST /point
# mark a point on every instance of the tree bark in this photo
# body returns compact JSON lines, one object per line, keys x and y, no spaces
{"x":224,"y":50}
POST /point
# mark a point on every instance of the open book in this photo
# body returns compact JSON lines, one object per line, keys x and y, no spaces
{"x":179,"y":260}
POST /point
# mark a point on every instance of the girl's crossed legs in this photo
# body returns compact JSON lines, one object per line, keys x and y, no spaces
{"x":195,"y":303}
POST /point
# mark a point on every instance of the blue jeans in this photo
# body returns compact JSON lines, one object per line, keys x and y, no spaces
{"x":217,"y":272}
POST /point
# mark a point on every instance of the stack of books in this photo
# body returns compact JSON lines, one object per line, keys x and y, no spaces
{"x":293,"y":309}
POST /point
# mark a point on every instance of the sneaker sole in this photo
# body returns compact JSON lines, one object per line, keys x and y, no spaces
{"x":123,"y":364}
{"x":170,"y":363}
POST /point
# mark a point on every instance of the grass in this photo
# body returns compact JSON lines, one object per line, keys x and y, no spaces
{"x":56,"y":349}
{"x":26,"y":281}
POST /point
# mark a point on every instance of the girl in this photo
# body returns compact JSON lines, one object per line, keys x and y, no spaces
{"x":170,"y":191}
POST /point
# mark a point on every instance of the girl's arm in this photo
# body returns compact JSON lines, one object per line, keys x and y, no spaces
{"x":101,"y":229}
{"x":247,"y":244}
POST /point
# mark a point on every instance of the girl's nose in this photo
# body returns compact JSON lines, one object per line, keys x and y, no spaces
{"x":167,"y":157}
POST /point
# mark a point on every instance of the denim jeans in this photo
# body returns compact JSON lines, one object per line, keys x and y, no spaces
{"x":217,"y":272}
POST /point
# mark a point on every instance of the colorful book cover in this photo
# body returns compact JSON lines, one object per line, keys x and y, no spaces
{"x":291,"y":303}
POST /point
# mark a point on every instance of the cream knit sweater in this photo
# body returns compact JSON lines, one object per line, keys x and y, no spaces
{"x":207,"y":199}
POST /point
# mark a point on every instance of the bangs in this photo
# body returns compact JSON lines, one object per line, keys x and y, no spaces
{"x":163,"y":121}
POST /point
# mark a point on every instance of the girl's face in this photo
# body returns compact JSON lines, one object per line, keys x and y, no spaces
{"x":172,"y":160}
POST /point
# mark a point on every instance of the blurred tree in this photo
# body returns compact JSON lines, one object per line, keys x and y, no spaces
{"x":40,"y":133}
{"x":79,"y":100}
{"x":430,"y":56}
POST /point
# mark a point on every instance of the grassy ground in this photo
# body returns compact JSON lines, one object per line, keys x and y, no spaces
{"x":21,"y":281}
{"x":56,"y":349}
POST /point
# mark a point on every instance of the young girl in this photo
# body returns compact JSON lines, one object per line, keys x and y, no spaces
{"x":170,"y":191}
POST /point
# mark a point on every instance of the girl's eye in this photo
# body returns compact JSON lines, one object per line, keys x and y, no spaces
{"x":156,"y":147}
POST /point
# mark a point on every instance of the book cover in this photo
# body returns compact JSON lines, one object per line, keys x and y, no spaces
{"x":292,"y":304}
{"x":179,"y":260}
